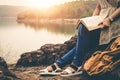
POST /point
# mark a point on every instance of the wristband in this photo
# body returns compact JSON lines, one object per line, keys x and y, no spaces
{"x":111,"y":19}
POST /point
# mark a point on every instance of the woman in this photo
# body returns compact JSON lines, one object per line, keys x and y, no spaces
{"x":89,"y":40}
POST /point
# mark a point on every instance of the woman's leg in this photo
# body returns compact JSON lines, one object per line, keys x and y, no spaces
{"x":87,"y":40}
{"x":66,"y":59}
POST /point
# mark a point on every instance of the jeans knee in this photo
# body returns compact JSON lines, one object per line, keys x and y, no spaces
{"x":80,"y":26}
{"x":82,"y":30}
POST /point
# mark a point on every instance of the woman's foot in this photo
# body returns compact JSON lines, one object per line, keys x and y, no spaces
{"x":52,"y":67}
{"x":51,"y":70}
{"x":71,"y":71}
{"x":67,"y":71}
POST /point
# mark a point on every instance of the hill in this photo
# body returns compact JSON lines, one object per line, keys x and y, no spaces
{"x":10,"y":11}
{"x":74,"y":9}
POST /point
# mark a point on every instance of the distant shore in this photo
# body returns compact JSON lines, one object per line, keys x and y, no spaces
{"x":43,"y":21}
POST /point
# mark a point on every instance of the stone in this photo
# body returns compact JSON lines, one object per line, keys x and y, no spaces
{"x":47,"y":54}
{"x":5,"y":74}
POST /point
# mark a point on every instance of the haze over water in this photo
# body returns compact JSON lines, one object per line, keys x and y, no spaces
{"x":16,"y":38}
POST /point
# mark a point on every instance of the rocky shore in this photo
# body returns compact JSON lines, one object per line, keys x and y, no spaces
{"x":29,"y":64}
{"x":47,"y":54}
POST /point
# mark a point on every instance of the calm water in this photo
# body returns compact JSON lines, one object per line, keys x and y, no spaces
{"x":17,"y":38}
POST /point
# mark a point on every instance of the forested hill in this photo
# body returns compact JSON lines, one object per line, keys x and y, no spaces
{"x":74,"y":9}
{"x":10,"y":11}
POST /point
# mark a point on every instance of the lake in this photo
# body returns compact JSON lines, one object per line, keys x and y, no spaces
{"x":17,"y":38}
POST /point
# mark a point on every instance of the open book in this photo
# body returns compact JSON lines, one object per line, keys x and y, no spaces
{"x":91,"y":23}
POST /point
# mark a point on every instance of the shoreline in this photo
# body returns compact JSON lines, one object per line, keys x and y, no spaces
{"x":43,"y":21}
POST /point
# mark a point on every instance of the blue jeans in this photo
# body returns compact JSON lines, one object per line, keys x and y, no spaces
{"x":86,"y":41}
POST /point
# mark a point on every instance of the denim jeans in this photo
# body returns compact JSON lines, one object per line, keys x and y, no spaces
{"x":86,"y":41}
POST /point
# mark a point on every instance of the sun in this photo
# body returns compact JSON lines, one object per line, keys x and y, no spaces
{"x":41,"y":3}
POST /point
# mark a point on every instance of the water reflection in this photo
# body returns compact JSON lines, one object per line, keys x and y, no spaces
{"x":17,"y":38}
{"x":54,"y":26}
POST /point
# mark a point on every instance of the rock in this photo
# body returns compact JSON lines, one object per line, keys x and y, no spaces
{"x":71,"y":43}
{"x":5,"y":74}
{"x":32,"y":58}
{"x":32,"y":73}
{"x":47,"y":54}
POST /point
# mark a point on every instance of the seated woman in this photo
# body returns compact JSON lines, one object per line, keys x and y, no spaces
{"x":89,"y":40}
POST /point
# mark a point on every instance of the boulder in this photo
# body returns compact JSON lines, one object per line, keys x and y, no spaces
{"x":47,"y":54}
{"x":5,"y":74}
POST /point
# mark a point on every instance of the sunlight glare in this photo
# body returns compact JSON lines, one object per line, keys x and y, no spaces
{"x":41,"y":3}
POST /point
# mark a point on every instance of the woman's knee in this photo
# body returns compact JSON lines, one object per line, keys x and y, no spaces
{"x":82,"y":29}
{"x":80,"y":26}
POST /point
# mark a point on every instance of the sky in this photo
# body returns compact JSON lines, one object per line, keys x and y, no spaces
{"x":33,"y":3}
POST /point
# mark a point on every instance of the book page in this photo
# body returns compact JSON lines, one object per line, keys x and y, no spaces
{"x":92,"y":22}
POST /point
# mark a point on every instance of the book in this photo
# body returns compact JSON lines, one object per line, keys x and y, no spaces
{"x":91,"y":23}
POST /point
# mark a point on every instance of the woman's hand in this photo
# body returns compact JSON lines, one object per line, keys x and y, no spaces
{"x":105,"y":23}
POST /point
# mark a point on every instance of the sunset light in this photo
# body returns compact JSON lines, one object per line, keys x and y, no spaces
{"x":42,"y":3}
{"x":33,"y":3}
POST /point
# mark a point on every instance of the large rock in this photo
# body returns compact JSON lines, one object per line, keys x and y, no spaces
{"x":47,"y":54}
{"x":5,"y":74}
